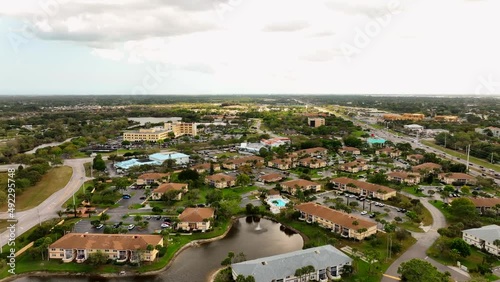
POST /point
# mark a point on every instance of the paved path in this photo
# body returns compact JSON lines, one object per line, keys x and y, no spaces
{"x":48,"y":208}
{"x":425,"y":240}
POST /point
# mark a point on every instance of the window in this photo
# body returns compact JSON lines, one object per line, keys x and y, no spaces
{"x":53,"y":249}
{"x":61,"y":255}
{"x":106,"y":251}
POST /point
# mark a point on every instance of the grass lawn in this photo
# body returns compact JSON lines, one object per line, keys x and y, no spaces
{"x":454,"y":153}
{"x":411,"y":226}
{"x":411,"y":190}
{"x":238,"y":190}
{"x":318,"y":236}
{"x":51,"y":182}
{"x":440,"y":206}
{"x":86,"y":185}
{"x":470,"y":262}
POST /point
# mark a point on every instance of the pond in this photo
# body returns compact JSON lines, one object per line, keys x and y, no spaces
{"x":254,"y":239}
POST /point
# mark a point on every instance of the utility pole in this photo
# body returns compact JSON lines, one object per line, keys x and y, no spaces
{"x":491,"y":158}
{"x":445,"y":135}
{"x":468,"y":155}
{"x":39,"y":221}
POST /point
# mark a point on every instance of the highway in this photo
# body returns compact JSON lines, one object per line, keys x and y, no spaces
{"x":48,"y":208}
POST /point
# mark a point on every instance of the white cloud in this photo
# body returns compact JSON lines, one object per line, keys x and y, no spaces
{"x":283,"y":45}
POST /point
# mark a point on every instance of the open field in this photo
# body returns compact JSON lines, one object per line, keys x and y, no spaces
{"x":51,"y":182}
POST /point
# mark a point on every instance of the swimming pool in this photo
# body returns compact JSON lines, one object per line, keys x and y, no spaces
{"x":279,"y":202}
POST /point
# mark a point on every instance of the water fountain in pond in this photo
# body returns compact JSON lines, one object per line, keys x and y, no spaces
{"x":258,"y":227}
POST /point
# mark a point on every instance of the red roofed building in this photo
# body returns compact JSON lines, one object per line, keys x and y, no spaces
{"x":363,"y":188}
{"x":195,"y":219}
{"x":346,"y":225}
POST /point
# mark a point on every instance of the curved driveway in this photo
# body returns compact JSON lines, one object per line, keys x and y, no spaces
{"x":48,"y":208}
{"x":424,"y":241}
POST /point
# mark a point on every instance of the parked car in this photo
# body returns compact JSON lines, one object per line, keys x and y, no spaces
{"x":142,"y":198}
{"x":165,"y":225}
{"x":372,"y":215}
{"x":131,"y":226}
{"x":99,"y":226}
{"x":126,"y":197}
{"x":364,"y":212}
{"x":148,"y":217}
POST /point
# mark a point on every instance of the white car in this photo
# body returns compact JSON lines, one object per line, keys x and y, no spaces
{"x":131,"y":226}
{"x":165,"y":225}
{"x":364,"y":212}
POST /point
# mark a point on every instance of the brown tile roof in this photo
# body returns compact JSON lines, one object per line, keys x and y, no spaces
{"x":363,"y":185}
{"x":300,"y":182}
{"x":271,"y":176}
{"x":485,"y":202}
{"x":456,"y":175}
{"x":274,"y":192}
{"x":335,"y":216}
{"x":353,"y":164}
{"x":154,"y":176}
{"x":402,"y":174}
{"x":196,"y":214}
{"x":388,"y":149}
{"x":106,"y":241}
{"x":219,"y":176}
{"x":281,"y":161}
{"x":169,"y":187}
{"x":426,"y":166}
{"x":349,"y":149}
{"x":416,"y":156}
{"x":312,"y":150}
{"x":312,"y":160}
{"x":242,"y":160}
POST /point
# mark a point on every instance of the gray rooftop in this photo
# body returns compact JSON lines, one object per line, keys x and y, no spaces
{"x":487,"y":233}
{"x":280,"y":266}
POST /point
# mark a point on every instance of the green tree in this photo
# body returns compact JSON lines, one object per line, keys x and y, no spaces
{"x":461,"y":246}
{"x":463,"y":209}
{"x":417,"y":270}
{"x":243,"y":179}
{"x":104,"y":217}
{"x":98,"y":163}
{"x":97,"y":258}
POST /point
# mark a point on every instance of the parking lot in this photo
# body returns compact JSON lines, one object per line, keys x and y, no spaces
{"x":117,"y":216}
{"x":368,"y":206}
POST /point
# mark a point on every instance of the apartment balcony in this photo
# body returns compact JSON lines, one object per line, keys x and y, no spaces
{"x":69,"y":256}
{"x":122,"y":257}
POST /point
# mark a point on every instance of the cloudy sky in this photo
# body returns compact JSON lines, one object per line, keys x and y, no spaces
{"x":249,"y":46}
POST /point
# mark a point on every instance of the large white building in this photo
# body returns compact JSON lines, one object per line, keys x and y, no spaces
{"x":328,"y":263}
{"x":483,"y":238}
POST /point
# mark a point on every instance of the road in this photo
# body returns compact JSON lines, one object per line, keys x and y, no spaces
{"x":424,"y":241}
{"x":48,"y":208}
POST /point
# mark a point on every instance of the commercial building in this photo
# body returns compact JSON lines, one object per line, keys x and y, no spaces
{"x":406,"y":116}
{"x":327,"y":261}
{"x":179,"y":158}
{"x":483,"y":238}
{"x":363,"y":188}
{"x":446,"y":118}
{"x":275,"y":142}
{"x":315,"y":121}
{"x":414,"y":127}
{"x":143,"y":134}
{"x":182,"y":128}
{"x":119,"y":247}
{"x":345,"y":224}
